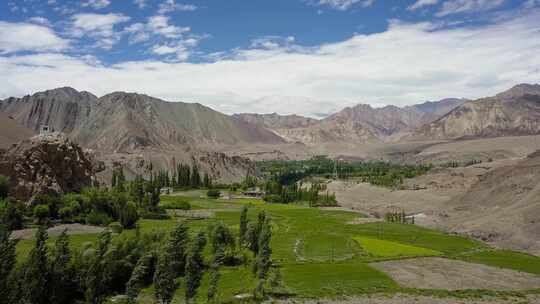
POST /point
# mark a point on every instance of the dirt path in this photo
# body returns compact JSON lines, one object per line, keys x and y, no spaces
{"x":440,"y":273}
{"x":26,"y":234}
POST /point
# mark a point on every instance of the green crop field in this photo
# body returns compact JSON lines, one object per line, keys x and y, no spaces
{"x":389,"y":249}
{"x":318,"y":252}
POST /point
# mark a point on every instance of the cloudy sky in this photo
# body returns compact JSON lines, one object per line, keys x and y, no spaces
{"x":309,"y":57}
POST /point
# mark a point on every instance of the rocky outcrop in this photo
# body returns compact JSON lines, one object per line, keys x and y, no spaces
{"x":46,"y":164}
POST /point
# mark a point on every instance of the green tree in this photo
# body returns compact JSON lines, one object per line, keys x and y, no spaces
{"x":41,"y":213}
{"x":36,"y":271}
{"x":164,"y":278}
{"x":207,"y":181}
{"x":215,"y":275}
{"x":4,"y":186}
{"x":11,"y":213}
{"x":178,"y":246}
{"x":95,"y":280}
{"x":62,"y":280}
{"x":195,"y":177}
{"x":263,"y":261}
{"x":243,"y":226}
{"x":129,"y":215}
{"x":194,"y":266}
{"x":141,"y":276}
{"x":7,"y":264}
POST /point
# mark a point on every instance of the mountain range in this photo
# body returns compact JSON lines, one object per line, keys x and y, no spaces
{"x":126,"y":124}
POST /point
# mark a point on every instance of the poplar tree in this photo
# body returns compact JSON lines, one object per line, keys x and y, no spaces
{"x":194,"y":266}
{"x":8,"y":259}
{"x":36,"y":271}
{"x":141,"y":276}
{"x":178,"y":246}
{"x":61,"y":273}
{"x":243,"y":226}
{"x":164,"y":279}
{"x":263,"y":260}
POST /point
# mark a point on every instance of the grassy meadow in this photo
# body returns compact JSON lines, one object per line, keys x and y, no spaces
{"x":319,"y":253}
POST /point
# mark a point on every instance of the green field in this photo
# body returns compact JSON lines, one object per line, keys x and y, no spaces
{"x":388,"y":249}
{"x":318,"y":253}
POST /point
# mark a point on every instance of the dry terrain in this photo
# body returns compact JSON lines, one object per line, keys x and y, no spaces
{"x":440,"y":273}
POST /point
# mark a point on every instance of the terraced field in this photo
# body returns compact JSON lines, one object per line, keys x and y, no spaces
{"x":326,"y":254}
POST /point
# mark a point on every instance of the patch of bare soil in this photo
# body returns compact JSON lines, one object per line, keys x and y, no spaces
{"x":409,"y":299}
{"x":440,"y":273}
{"x":26,"y":234}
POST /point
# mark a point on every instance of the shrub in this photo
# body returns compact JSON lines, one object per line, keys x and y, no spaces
{"x":65,"y":214}
{"x":116,"y":227}
{"x":41,"y":213}
{"x":154,"y":215}
{"x":213,"y":193}
{"x":178,"y":204}
{"x":98,"y":218}
{"x":129,"y":215}
{"x":272,"y":198}
{"x":11,"y":213}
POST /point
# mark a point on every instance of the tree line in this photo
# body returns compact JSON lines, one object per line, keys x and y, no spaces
{"x":124,"y":264}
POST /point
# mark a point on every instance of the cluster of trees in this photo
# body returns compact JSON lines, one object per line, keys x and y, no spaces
{"x":398,"y":217}
{"x":375,"y":172}
{"x":126,"y":263}
{"x":184,"y":177}
{"x":279,"y":193}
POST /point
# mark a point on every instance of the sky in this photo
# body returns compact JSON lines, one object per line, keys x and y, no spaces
{"x":307,"y":57}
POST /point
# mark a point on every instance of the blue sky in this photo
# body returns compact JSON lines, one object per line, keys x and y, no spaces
{"x":308,"y":57}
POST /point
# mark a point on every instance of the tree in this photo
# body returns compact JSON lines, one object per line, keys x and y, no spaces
{"x":4,"y":186}
{"x":114,"y":179}
{"x":62,"y":283}
{"x":263,"y":260}
{"x":207,"y":181}
{"x":195,"y":177}
{"x":36,"y":271}
{"x":11,"y":213}
{"x":137,"y":190}
{"x":164,"y":278}
{"x":213,"y":193}
{"x":95,"y":281}
{"x":7,"y":264}
{"x":215,"y":275}
{"x":194,"y":266}
{"x":141,"y":276}
{"x":129,"y":215}
{"x":41,"y":213}
{"x":243,"y":226}
{"x":178,"y":246}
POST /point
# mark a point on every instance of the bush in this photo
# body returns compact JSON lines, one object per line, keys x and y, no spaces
{"x":116,"y":227}
{"x":4,"y":186}
{"x":213,"y":193}
{"x":65,"y":214}
{"x":41,"y":213}
{"x":154,"y":215}
{"x":11,"y":213}
{"x":98,"y":218}
{"x":272,"y":198}
{"x":129,"y":215}
{"x":178,"y":204}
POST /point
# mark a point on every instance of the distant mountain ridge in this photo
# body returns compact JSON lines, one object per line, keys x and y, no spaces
{"x":513,"y":112}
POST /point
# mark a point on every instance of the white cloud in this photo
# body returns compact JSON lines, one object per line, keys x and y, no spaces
{"x":40,"y":20}
{"x":99,"y":27}
{"x":468,"y":6}
{"x":16,"y":37}
{"x":531,"y":3}
{"x":97,"y":4}
{"x":140,"y":3}
{"x":405,"y":64}
{"x":342,"y":5}
{"x":422,"y":3}
{"x":156,"y":26}
{"x":170,"y":6}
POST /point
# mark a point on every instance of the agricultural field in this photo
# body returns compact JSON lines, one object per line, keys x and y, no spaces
{"x":321,"y":253}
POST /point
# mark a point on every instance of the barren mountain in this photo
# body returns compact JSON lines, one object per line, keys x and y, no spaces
{"x":514,"y":112}
{"x":62,"y":109}
{"x":11,"y":131}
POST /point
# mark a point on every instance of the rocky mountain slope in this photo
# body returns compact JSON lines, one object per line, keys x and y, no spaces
{"x":359,"y":124}
{"x":514,"y":112}
{"x":47,"y":165}
{"x":11,"y":131}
